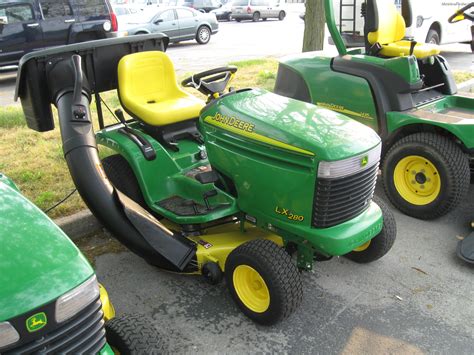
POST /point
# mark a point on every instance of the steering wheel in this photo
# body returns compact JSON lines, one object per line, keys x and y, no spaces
{"x":212,"y":81}
{"x":462,"y":14}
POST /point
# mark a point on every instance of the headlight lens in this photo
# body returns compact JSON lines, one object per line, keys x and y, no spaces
{"x":8,"y":335}
{"x":75,"y":300}
{"x":353,"y":165}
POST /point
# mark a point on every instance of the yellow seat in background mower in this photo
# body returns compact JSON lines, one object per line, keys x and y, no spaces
{"x":148,"y":90}
{"x":390,"y":32}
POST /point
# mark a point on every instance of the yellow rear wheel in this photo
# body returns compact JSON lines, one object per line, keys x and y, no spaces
{"x":426,"y":174}
{"x":417,"y":180}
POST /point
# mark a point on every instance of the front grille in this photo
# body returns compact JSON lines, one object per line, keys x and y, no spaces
{"x":341,"y":199}
{"x":83,"y":334}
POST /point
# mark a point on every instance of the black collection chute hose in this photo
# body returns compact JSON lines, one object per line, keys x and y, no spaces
{"x":81,"y":155}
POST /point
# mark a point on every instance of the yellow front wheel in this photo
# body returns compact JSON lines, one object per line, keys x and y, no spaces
{"x":263,"y":281}
{"x":426,"y":175}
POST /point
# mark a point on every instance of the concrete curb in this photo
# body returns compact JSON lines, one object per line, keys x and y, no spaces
{"x":80,"y":224}
{"x":467,"y":86}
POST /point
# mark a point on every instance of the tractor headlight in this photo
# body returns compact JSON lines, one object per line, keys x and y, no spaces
{"x":8,"y":335}
{"x":349,"y":166}
{"x":75,"y":300}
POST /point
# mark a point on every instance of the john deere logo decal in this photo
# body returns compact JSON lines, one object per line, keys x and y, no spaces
{"x":364,"y":161}
{"x":36,"y":322}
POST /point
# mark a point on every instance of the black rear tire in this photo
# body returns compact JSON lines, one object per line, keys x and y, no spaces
{"x":281,"y":15}
{"x":280,"y":276}
{"x":433,"y":37}
{"x":133,"y":335}
{"x":382,"y":242}
{"x":452,"y":167}
{"x":256,"y":16}
{"x":121,"y":175}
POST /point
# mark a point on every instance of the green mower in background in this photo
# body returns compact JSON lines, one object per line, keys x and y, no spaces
{"x":405,"y":91}
{"x":50,"y":301}
{"x":231,"y":187}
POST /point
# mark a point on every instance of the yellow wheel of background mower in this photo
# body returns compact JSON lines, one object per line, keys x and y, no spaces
{"x":426,"y":175}
{"x":263,"y":281}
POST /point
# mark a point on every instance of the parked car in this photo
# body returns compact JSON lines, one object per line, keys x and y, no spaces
{"x":203,"y":5}
{"x":257,"y":9}
{"x":179,"y":24}
{"x":126,"y":15}
{"x":224,"y":12}
{"x":29,"y":25}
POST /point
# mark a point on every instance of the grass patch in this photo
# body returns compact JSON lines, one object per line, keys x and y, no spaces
{"x":462,"y":76}
{"x":11,"y":116}
{"x":250,"y":63}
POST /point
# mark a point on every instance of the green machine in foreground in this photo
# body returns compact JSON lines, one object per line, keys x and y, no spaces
{"x":229,"y":187}
{"x":50,"y":300}
{"x":406,"y":92}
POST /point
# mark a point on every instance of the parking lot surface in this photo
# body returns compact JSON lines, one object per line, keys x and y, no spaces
{"x":416,"y":299}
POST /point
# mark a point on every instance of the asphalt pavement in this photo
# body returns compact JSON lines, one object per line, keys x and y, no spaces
{"x":417,"y":299}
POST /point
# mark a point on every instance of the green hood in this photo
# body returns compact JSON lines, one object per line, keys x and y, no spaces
{"x":327,"y":134}
{"x":38,"y":262}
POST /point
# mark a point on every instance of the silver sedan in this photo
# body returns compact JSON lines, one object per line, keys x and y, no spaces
{"x":178,"y":23}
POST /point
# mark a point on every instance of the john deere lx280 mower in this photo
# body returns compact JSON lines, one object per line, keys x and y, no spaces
{"x":233,"y":186}
{"x":406,"y":92}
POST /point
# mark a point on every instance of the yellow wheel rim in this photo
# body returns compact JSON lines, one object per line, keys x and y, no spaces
{"x":363,"y":246}
{"x":417,"y":180}
{"x":251,"y":288}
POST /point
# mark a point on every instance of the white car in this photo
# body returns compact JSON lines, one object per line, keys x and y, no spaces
{"x":126,"y":15}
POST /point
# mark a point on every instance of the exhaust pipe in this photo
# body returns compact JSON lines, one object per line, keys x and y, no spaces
{"x":131,"y":224}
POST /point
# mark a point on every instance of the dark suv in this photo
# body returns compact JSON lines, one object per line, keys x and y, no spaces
{"x":27,"y":25}
{"x":203,"y":5}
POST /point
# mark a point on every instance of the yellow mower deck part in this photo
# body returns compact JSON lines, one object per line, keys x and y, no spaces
{"x":107,"y":307}
{"x":148,"y":90}
{"x":390,"y":32}
{"x":417,"y":180}
{"x":251,"y":288}
{"x":218,"y":242}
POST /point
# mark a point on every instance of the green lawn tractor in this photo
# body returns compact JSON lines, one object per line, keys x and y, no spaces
{"x":406,"y":92}
{"x":232,"y":187}
{"x":50,"y":301}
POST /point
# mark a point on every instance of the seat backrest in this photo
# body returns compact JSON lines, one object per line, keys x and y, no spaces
{"x":145,"y":77}
{"x":390,"y":25}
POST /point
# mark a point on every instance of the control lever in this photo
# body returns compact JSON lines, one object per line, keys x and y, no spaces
{"x":145,"y":146}
{"x":412,"y":46}
{"x":79,"y":111}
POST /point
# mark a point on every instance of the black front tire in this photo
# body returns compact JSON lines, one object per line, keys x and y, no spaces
{"x":281,"y":15}
{"x":452,"y":167}
{"x":133,"y":335}
{"x":256,"y":16}
{"x":382,"y":242}
{"x":203,"y":35}
{"x":279,"y":273}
